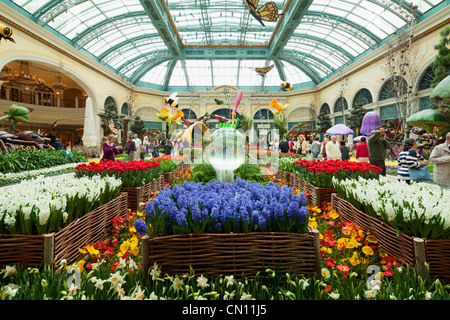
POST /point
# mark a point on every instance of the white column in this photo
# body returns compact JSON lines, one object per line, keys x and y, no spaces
{"x":89,"y":135}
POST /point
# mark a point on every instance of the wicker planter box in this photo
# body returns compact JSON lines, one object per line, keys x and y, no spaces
{"x":137,"y":195}
{"x":318,"y":195}
{"x":405,"y":248}
{"x":233,"y":253}
{"x":168,"y":176}
{"x":393,"y":243}
{"x":35,"y":250}
{"x":284,"y":175}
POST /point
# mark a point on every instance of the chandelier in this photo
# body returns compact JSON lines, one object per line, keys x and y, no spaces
{"x":6,"y":69}
{"x":23,"y":79}
{"x":59,"y":85}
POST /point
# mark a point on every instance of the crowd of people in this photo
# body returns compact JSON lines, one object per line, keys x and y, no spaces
{"x":135,"y":148}
{"x":374,"y":149}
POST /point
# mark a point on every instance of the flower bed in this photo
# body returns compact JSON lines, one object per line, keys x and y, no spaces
{"x":139,"y":178}
{"x":132,"y":173}
{"x":45,"y":205}
{"x":34,"y":159}
{"x":316,"y":176}
{"x":410,"y":221}
{"x":11,"y":178}
{"x":320,"y":173}
{"x":416,"y":209}
{"x":207,"y":224}
{"x":45,"y":219}
{"x":226,"y":207}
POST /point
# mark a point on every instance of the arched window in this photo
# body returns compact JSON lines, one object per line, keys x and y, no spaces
{"x":362,"y":97}
{"x":263,"y":114}
{"x":397,"y":84}
{"x":426,"y":79}
{"x":125,"y":109}
{"x":340,"y":105}
{"x":325,"y":109}
{"x":110,"y":105}
{"x":189,"y":114}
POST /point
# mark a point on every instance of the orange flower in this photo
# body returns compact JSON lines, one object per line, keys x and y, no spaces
{"x":343,"y":268}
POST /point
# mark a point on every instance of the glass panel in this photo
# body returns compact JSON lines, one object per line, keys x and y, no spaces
{"x":225,"y":72}
{"x":340,"y":105}
{"x":178,"y":77}
{"x":294,"y":75}
{"x":362,"y":97}
{"x":156,"y":75}
{"x":325,"y":108}
{"x":199,"y":72}
{"x":426,"y":79}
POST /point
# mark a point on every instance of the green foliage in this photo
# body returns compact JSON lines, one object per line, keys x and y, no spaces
{"x":167,"y":165}
{"x":248,"y":171}
{"x":356,"y":116}
{"x":441,"y":64}
{"x":280,"y":123}
{"x":323,"y":123}
{"x":138,"y":126}
{"x":204,"y":173}
{"x":33,"y":159}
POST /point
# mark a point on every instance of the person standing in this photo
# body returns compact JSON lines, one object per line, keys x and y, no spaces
{"x":440,"y":157}
{"x":155,"y":148}
{"x":138,"y":144}
{"x":284,"y":146}
{"x":291,"y":145}
{"x":316,"y":148}
{"x":109,"y":149}
{"x":409,"y":158}
{"x":168,"y":147}
{"x":362,"y":151}
{"x":301,"y":146}
{"x":130,"y":149}
{"x":378,"y":146}
{"x":324,"y":151}
{"x":58,"y":144}
{"x":332,"y":149}
{"x":345,"y":151}
{"x":146,"y":144}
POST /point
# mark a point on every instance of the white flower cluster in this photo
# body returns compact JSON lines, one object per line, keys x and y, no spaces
{"x":6,"y":178}
{"x":43,"y":200}
{"x":388,"y":198}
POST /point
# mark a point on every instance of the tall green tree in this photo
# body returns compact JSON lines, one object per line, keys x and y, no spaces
{"x":356,"y":116}
{"x":323,"y":123}
{"x":441,"y":64}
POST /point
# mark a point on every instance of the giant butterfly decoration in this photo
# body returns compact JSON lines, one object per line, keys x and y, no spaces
{"x":267,"y":12}
{"x":263,"y":71}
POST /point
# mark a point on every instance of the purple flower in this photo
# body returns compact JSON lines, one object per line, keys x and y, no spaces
{"x":141,"y":227}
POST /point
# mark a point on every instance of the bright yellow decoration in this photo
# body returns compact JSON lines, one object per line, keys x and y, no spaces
{"x":178,"y":115}
{"x":277,"y":106}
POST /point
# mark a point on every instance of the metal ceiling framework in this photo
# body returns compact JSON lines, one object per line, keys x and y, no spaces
{"x":134,"y":37}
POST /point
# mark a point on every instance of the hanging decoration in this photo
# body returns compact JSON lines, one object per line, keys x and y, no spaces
{"x":172,"y":100}
{"x":267,"y":12}
{"x":263,"y":71}
{"x":277,"y":106}
{"x":6,"y":33}
{"x":286,"y":86}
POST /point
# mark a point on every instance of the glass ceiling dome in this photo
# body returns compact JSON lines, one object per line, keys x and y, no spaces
{"x":176,"y":45}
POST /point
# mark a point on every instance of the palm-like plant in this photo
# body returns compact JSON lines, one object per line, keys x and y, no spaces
{"x":280,"y":122}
